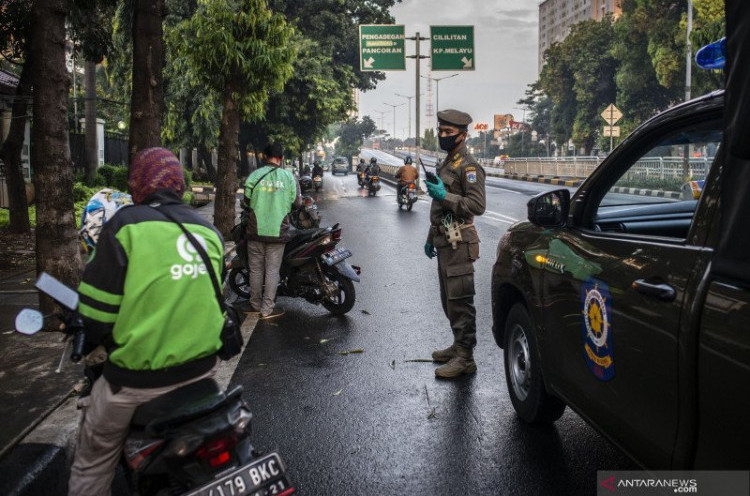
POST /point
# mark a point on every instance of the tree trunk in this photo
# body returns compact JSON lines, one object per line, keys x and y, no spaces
{"x":206,"y":163}
{"x":10,"y":155}
{"x":92,"y":151}
{"x":147,"y":100}
{"x":57,"y":248}
{"x":226,"y":174}
{"x":244,"y":162}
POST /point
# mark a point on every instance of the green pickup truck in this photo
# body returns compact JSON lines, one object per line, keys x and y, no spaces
{"x":606,"y":302}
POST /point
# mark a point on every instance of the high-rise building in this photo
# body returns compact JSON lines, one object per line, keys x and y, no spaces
{"x":557,"y":16}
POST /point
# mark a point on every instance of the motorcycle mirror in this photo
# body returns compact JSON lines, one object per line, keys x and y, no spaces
{"x":29,"y":321}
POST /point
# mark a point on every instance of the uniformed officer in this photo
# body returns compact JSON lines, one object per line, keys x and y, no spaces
{"x":457,"y":196}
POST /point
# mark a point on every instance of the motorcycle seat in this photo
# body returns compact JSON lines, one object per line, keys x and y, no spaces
{"x":182,"y":405}
{"x":300,"y":236}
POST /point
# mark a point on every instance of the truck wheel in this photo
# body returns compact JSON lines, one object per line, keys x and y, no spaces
{"x":523,"y":373}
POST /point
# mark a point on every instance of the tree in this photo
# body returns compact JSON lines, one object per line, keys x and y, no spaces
{"x":709,"y":25}
{"x":351,"y":135}
{"x":57,"y":250}
{"x":147,"y":96}
{"x":557,"y":81}
{"x":430,"y":141}
{"x":241,"y":50}
{"x":15,"y":46}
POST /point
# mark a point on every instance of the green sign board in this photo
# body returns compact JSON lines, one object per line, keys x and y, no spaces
{"x":381,"y":47}
{"x":452,"y":48}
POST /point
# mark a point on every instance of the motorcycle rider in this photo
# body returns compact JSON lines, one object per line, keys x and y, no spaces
{"x":373,"y":169}
{"x":406,"y":174}
{"x":317,"y":169}
{"x":153,"y":311}
{"x":361,"y":167}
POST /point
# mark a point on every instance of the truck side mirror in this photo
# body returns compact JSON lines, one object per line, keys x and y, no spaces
{"x":549,"y":209}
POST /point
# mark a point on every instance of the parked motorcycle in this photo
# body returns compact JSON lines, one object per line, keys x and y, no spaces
{"x":312,"y":268}
{"x":317,"y":182}
{"x":306,"y":216}
{"x":194,"y":440}
{"x":306,"y":182}
{"x":373,"y":185}
{"x":407,"y":195}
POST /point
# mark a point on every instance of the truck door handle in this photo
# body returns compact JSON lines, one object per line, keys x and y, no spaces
{"x":661,"y":291}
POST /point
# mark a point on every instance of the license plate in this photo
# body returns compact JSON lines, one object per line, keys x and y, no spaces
{"x":335,"y":256}
{"x":262,"y":477}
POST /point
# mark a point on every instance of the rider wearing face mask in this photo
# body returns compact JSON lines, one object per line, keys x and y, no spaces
{"x":457,"y":196}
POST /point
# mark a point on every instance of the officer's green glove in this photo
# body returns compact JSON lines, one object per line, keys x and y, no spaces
{"x":430,"y":250}
{"x":436,"y":190}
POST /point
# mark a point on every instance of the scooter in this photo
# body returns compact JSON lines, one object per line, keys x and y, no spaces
{"x":373,"y":185}
{"x":306,"y":182}
{"x":194,"y":440}
{"x":361,"y":179}
{"x":312,"y":268}
{"x":407,"y":195}
{"x":317,"y":182}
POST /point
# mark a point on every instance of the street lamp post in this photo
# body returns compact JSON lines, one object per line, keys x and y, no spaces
{"x":408,"y":98}
{"x":437,"y":88}
{"x":382,"y":113}
{"x":689,"y":55}
{"x":394,"y":116}
{"x":523,"y":126}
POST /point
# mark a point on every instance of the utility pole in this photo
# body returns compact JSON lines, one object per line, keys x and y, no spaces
{"x":418,"y":58}
{"x":382,"y":113}
{"x":394,"y":115}
{"x":523,"y":126}
{"x":689,"y":54}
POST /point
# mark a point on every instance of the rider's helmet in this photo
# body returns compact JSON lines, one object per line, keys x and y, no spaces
{"x":408,"y":160}
{"x":373,"y":160}
{"x":361,"y":161}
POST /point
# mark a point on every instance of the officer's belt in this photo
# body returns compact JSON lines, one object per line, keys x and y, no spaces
{"x":441,"y":229}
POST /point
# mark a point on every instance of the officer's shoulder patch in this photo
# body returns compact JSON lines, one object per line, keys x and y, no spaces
{"x":470,"y":168}
{"x":471,"y":175}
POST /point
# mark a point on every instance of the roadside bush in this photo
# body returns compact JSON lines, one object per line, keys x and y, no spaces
{"x":115,"y":176}
{"x":188,"y":178}
{"x":81,"y":192}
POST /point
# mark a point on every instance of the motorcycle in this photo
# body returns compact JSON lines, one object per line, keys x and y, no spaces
{"x":312,"y":268}
{"x":407,"y":195}
{"x":361,"y":179}
{"x":306,"y":182}
{"x":194,"y":440}
{"x":304,"y":217}
{"x":317,"y":182}
{"x":373,"y":185}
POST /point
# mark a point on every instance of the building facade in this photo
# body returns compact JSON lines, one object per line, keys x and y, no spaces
{"x":557,"y":16}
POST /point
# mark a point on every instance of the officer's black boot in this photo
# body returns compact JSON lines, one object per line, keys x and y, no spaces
{"x":462,"y":363}
{"x":442,"y":356}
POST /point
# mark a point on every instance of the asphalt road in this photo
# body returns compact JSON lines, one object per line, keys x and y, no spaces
{"x":377,"y":421}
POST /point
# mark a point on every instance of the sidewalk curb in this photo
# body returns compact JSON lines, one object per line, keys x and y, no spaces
{"x":538,"y":179}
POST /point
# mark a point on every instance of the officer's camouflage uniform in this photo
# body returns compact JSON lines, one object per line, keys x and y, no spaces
{"x":465,"y":198}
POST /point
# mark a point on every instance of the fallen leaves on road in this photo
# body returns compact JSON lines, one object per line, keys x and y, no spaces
{"x":337,"y":393}
{"x":432,"y":414}
{"x":324,"y":341}
{"x":393,"y":364}
{"x":366,"y":312}
{"x":419,"y":360}
{"x":358,"y":350}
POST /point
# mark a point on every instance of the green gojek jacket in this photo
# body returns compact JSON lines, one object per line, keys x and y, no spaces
{"x":271,"y":193}
{"x":146,"y":295}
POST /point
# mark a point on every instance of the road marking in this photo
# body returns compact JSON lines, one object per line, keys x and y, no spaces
{"x":507,"y":217}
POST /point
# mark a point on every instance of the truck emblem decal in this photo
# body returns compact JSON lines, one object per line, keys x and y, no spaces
{"x":597,"y":329}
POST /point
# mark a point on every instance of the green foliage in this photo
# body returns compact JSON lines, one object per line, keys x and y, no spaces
{"x":5,"y":217}
{"x":430,"y":141}
{"x":81,"y":192}
{"x":115,"y":176}
{"x":351,"y":134}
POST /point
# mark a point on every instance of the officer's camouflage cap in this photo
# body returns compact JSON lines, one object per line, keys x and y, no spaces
{"x":454,"y":118}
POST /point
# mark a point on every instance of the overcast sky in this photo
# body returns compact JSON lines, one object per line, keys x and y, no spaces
{"x":505,"y":47}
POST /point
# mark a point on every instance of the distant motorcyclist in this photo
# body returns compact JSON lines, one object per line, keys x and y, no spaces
{"x":317,"y":170}
{"x":306,"y":170}
{"x":406,"y":173}
{"x":361,"y":165}
{"x":373,"y":169}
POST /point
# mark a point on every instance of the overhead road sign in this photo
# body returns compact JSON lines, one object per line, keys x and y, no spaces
{"x":611,"y":114}
{"x":452,"y":48}
{"x":381,"y":47}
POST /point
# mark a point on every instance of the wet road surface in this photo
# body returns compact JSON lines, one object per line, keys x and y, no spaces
{"x":378,"y":422}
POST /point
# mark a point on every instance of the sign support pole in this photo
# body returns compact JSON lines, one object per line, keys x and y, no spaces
{"x":417,"y":111}
{"x":611,"y":138}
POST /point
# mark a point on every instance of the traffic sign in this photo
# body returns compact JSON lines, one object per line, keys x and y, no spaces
{"x":612,"y":131}
{"x":452,"y":48}
{"x":611,"y":114}
{"x":381,"y":47}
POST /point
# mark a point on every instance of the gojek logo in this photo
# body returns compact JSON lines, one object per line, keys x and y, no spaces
{"x":189,"y":254}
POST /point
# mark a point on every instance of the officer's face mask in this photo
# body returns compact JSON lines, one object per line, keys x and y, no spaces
{"x":448,"y":143}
